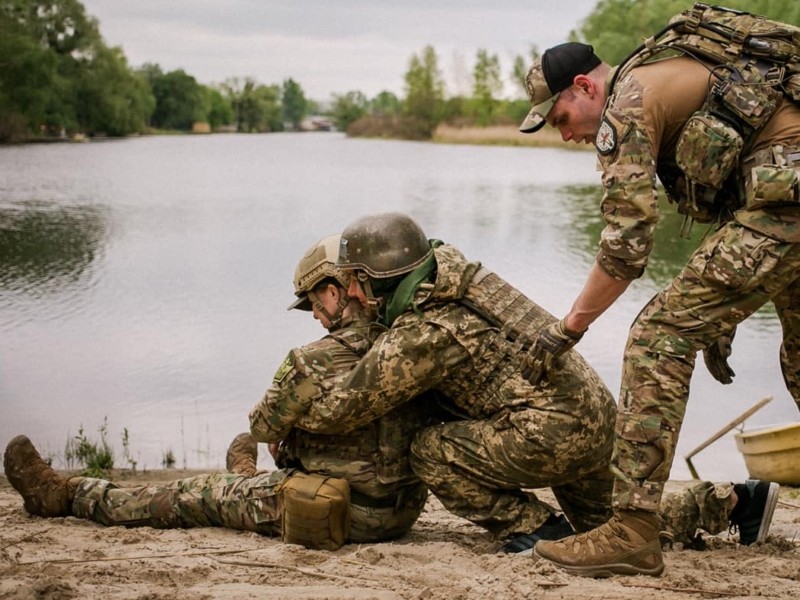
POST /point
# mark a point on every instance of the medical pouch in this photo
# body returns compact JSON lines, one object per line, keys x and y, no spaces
{"x":316,"y":511}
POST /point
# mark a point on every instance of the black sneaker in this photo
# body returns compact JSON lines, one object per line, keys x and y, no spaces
{"x":752,"y":514}
{"x":554,"y":528}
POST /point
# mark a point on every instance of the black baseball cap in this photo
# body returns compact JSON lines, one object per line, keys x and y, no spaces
{"x":552,"y":73}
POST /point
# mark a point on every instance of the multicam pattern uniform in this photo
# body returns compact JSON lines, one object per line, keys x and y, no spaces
{"x":750,"y":260}
{"x":514,"y":436}
{"x":386,"y":497}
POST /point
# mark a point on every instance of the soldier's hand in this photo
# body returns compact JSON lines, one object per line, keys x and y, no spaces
{"x":716,"y":359}
{"x":552,"y":341}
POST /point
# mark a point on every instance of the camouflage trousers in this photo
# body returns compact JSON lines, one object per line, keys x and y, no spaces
{"x":479,"y":474}
{"x":730,"y":276}
{"x":480,"y":470}
{"x":233,"y":501}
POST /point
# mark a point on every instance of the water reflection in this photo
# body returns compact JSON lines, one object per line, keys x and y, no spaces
{"x":46,"y":248}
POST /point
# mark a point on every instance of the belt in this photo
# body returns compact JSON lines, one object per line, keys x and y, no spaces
{"x":360,"y":499}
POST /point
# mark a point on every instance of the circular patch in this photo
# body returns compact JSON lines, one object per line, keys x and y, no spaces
{"x":606,"y":141}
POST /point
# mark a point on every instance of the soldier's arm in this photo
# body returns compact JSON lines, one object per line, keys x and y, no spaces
{"x":406,"y":361}
{"x":629,"y":206}
{"x":292,"y":391}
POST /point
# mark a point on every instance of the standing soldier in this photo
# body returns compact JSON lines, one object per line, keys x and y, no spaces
{"x":715,"y":125}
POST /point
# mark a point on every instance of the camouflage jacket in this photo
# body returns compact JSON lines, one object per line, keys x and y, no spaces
{"x":371,"y":457}
{"x":640,"y":127}
{"x":441,"y":345}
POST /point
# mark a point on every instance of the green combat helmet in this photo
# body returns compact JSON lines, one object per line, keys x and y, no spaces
{"x":317,"y":265}
{"x":383,"y":245}
{"x":381,"y":250}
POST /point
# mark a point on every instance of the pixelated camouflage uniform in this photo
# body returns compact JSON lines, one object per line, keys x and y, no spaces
{"x":751,"y":259}
{"x":386,"y":496}
{"x":513,"y":436}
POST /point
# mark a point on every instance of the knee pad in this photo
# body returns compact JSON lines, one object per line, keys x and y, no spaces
{"x":316,"y":511}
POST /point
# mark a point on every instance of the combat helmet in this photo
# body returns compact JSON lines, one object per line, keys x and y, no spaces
{"x":318,"y":264}
{"x":383,"y":245}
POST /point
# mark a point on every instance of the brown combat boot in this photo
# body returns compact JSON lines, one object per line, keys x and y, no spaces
{"x":627,"y":545}
{"x":242,"y":455}
{"x":44,"y":492}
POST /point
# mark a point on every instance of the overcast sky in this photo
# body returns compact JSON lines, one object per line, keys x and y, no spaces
{"x":331,"y":46}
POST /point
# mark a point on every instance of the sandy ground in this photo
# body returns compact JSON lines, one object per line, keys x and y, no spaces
{"x":444,"y":557}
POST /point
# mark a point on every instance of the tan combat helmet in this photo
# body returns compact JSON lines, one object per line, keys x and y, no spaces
{"x":318,"y":264}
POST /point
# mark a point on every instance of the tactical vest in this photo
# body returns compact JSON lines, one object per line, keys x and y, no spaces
{"x":755,"y":62}
{"x":495,"y":358}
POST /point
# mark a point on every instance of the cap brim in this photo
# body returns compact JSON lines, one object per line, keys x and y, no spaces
{"x":302,"y":303}
{"x":535,"y":119}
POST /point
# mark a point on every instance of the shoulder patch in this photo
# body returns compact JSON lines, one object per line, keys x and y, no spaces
{"x":286,"y":367}
{"x":606,"y":141}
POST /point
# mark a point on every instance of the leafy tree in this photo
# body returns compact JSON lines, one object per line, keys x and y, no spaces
{"x":424,"y":90}
{"x":219,"y":109}
{"x":57,"y":71}
{"x":385,"y":104}
{"x":486,"y":84}
{"x":111,"y":98}
{"x":180,"y":100}
{"x":348,"y":108}
{"x":257,"y":108}
{"x":293,"y":103}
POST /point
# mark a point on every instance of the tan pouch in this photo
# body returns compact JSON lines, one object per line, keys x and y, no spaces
{"x":316,"y":511}
{"x":708,"y":149}
{"x":771,"y":185}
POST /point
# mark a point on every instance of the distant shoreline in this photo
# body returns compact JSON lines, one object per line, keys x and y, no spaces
{"x":502,"y":135}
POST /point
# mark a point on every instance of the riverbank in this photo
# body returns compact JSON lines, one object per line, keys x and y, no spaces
{"x":443,"y":558}
{"x":503,"y":135}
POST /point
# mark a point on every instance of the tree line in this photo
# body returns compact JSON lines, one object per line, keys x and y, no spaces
{"x":58,"y":77}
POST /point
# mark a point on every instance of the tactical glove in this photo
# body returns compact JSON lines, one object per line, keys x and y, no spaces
{"x":552,"y":341}
{"x":716,"y":359}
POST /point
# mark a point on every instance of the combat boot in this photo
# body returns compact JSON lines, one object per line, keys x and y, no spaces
{"x":44,"y":492}
{"x":242,"y":455}
{"x":627,"y":545}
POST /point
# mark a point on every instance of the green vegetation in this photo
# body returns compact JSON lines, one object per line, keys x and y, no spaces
{"x":95,"y":458}
{"x":58,"y":79}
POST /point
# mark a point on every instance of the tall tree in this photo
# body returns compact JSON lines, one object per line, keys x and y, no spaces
{"x":293,"y":103}
{"x":424,"y":89}
{"x":486,"y":84}
{"x":348,"y":108}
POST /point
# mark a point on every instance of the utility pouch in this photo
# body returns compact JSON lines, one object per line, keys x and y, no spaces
{"x":708,"y":149}
{"x":753,"y":102}
{"x":316,"y":511}
{"x":771,"y":185}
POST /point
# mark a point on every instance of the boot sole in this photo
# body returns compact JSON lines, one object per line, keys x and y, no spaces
{"x":769,"y":510}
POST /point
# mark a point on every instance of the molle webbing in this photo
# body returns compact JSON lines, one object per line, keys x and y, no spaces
{"x":720,"y":35}
{"x":500,"y":303}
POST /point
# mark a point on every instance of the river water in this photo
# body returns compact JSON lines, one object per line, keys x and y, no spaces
{"x":144,"y":282}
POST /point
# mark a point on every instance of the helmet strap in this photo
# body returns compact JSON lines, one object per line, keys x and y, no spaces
{"x":334,"y":319}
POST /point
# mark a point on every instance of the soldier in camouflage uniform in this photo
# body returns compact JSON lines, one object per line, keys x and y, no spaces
{"x":635,"y":118}
{"x":385,"y":496}
{"x":456,"y":328}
